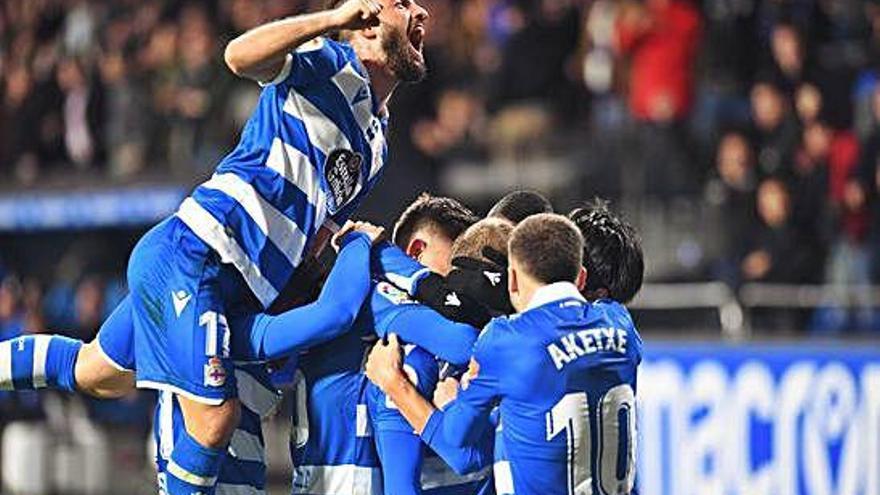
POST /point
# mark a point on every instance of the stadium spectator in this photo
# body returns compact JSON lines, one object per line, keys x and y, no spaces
{"x":868,"y":177}
{"x":775,"y":252}
{"x":660,"y":40}
{"x":81,"y":113}
{"x":774,"y":129}
{"x":787,"y":67}
{"x":731,"y":190}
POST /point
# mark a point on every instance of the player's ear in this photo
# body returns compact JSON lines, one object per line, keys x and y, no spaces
{"x":512,"y":287}
{"x":370,"y":33}
{"x":416,"y":247}
{"x":581,"y":280}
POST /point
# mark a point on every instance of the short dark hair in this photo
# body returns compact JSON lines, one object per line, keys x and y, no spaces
{"x":447,"y":215}
{"x":612,"y":251}
{"x":549,"y":247}
{"x":519,"y":205}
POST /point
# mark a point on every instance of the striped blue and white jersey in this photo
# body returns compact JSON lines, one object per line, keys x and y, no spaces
{"x":331,"y":440}
{"x":501,"y":468}
{"x":243,"y":472}
{"x":309,"y":153}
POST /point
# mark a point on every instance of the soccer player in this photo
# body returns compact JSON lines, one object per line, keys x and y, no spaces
{"x":310,"y":152}
{"x":332,"y":444}
{"x":447,"y":295}
{"x":407,"y":467}
{"x":612,"y":253}
{"x":562,"y":370}
{"x":519,"y":205}
{"x":258,"y":338}
{"x":615,"y":267}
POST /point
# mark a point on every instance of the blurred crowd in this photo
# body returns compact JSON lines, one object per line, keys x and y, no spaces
{"x":765,"y":112}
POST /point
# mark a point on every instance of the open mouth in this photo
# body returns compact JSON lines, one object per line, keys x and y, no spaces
{"x":417,"y":37}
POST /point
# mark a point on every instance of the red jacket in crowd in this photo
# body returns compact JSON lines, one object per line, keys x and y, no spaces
{"x":661,"y":40}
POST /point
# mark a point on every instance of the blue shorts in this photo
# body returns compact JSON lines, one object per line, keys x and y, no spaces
{"x":180,"y":296}
{"x":116,"y":337}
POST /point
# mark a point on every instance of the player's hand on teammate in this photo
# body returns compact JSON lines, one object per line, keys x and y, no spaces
{"x":446,"y":392}
{"x":374,"y":232}
{"x":384,"y":362}
{"x":358,"y":14}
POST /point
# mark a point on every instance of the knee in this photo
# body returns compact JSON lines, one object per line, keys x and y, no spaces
{"x":96,"y":377}
{"x":213,"y":426}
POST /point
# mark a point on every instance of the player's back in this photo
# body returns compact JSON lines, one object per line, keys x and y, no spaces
{"x":566,"y":376}
{"x":331,"y":443}
{"x":310,"y":151}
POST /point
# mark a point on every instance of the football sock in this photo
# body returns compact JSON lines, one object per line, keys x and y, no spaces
{"x":39,"y":361}
{"x":192,"y":468}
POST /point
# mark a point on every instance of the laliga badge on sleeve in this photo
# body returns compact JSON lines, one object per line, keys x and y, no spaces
{"x":215,"y":373}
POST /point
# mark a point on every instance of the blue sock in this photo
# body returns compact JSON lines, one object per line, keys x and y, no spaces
{"x":38,"y":361}
{"x":192,"y":467}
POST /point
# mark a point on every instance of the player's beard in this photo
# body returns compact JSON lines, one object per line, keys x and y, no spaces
{"x":402,"y":62}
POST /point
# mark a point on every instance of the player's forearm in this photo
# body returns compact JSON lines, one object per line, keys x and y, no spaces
{"x":462,"y":460}
{"x":415,"y":408}
{"x":259,"y":54}
{"x":265,"y":337}
{"x":459,"y":424}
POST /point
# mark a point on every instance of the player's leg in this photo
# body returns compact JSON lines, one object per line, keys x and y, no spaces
{"x":182,"y":346}
{"x":33,"y":362}
{"x":54,"y":361}
{"x":200,"y":447}
{"x":105,"y":366}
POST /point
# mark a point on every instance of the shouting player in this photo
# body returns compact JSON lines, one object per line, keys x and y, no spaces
{"x":307,"y":156}
{"x":562,"y":371}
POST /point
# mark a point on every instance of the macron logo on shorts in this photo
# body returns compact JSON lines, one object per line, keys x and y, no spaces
{"x":180,"y":299}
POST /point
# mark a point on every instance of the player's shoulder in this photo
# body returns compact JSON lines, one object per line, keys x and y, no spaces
{"x":387,"y":294}
{"x":615,"y":314}
{"x":498,"y":334}
{"x":606,"y":313}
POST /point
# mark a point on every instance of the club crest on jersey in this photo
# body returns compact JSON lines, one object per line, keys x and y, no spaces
{"x":342,"y":171}
{"x":393,"y":294}
{"x":215,"y":373}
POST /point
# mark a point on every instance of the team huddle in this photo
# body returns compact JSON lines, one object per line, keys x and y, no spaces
{"x":462,"y":356}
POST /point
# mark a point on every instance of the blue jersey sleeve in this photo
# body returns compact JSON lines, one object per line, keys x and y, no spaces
{"x":315,"y":61}
{"x":424,"y":327}
{"x":422,"y":369}
{"x":467,"y":419}
{"x":265,"y":337}
{"x":399,"y":448}
{"x":463,"y":460}
{"x":392,"y":264}
{"x":401,"y":459}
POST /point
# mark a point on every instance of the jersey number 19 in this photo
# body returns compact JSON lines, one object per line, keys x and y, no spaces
{"x":615,"y":440}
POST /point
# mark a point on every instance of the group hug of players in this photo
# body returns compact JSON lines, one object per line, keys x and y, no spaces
{"x":461,"y":356}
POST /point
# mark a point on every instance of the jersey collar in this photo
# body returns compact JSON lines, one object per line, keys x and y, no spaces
{"x":556,"y":291}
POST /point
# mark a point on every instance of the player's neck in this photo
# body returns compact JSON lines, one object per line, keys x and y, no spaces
{"x":526,"y":289}
{"x":383,"y":84}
